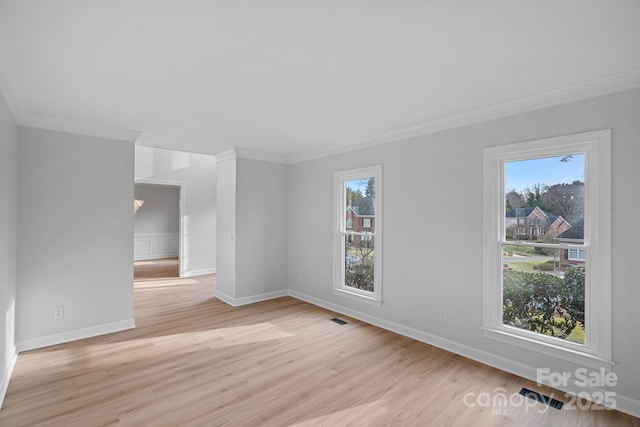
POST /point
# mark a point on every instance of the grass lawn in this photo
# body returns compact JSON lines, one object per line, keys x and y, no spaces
{"x":577,"y":335}
{"x":525,"y":266}
{"x":520,"y":250}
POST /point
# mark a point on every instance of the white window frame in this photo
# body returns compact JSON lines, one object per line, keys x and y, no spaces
{"x":596,"y":146}
{"x":366,"y":222}
{"x":340,"y":231}
{"x":580,"y":254}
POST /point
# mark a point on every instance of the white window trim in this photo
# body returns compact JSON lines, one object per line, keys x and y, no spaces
{"x":339,"y":227}
{"x":597,"y":149}
{"x":578,"y":253}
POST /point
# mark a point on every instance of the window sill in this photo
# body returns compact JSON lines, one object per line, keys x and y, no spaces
{"x":559,"y":352}
{"x":372,"y":300}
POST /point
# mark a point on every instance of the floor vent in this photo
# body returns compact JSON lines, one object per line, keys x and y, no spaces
{"x":339,"y":321}
{"x":554,"y":403}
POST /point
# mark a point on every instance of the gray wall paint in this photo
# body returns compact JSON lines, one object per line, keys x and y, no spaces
{"x":253,"y":227}
{"x":75,"y":215}
{"x":8,"y":237}
{"x":226,"y":227}
{"x":159,"y":214}
{"x":197,"y":173}
{"x":262,"y":227}
{"x":433,"y":222}
{"x":75,"y":232}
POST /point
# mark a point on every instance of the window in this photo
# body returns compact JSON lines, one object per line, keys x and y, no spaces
{"x":358,"y":253}
{"x":544,"y":304}
{"x":349,"y":223}
{"x":577,"y":255}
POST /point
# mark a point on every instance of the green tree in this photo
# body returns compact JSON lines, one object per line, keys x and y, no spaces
{"x":514,"y":200}
{"x":353,"y":196}
{"x":566,"y":200}
{"x":534,"y":195}
{"x":370,"y":191}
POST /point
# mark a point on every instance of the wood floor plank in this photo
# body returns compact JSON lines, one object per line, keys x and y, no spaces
{"x":196,"y":361}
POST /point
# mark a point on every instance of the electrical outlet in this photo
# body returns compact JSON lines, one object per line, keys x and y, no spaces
{"x":438,"y":316}
{"x":58,"y":313}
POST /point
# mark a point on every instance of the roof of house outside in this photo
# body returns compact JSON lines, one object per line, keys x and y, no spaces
{"x":576,"y":232}
{"x":519,"y":212}
{"x":364,"y":207}
{"x":551,"y":217}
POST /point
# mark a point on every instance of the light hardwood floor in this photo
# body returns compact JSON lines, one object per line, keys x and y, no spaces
{"x":195,"y":361}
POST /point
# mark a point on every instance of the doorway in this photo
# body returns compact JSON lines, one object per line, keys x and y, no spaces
{"x":158,"y":229}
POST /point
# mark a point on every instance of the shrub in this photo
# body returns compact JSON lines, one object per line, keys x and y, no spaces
{"x":360,"y":276}
{"x":544,"y":303}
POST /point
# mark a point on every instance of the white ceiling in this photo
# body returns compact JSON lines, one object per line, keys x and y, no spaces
{"x":296,"y":78}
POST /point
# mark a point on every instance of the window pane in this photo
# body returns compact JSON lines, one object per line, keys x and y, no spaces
{"x":543,"y":291}
{"x":544,"y":198}
{"x":360,"y":206}
{"x":576,"y":255}
{"x":358,"y":230}
{"x":359,"y":261}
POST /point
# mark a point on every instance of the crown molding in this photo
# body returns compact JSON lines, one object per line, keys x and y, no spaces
{"x":11,"y":90}
{"x":605,"y":85}
{"x":70,"y":126}
{"x":261,"y":156}
{"x":226,"y":155}
{"x":239,"y":153}
{"x":627,"y":80}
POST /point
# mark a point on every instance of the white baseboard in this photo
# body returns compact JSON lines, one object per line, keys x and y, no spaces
{"x":236,"y":302}
{"x":628,"y":405}
{"x":625,"y":404}
{"x":6,"y":376}
{"x":199,"y":272}
{"x":77,"y":334}
{"x":225,"y":298}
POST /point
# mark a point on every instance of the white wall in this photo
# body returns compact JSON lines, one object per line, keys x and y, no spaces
{"x":433,"y":232}
{"x":226,"y":228}
{"x":157,"y":223}
{"x":253,"y":226}
{"x":8,"y":240}
{"x":159,"y":213}
{"x":197,"y":175}
{"x":75,"y":196}
{"x":262,"y":215}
